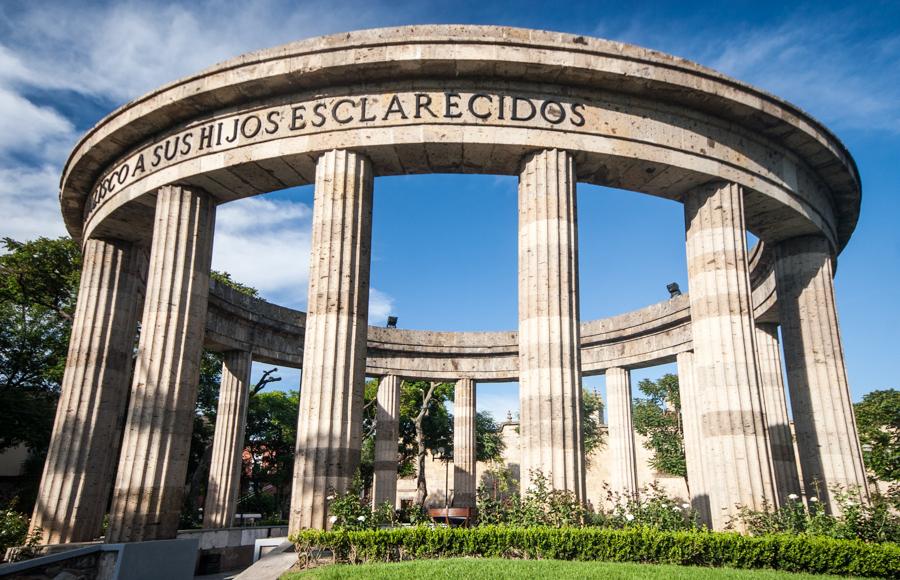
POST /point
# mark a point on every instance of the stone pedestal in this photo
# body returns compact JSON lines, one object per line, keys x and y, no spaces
{"x":781,"y":441}
{"x":228,"y":441}
{"x":693,"y":436}
{"x":827,"y":440}
{"x":464,"y":452}
{"x":623,"y":478}
{"x":81,"y":460}
{"x":549,"y":357}
{"x":387,"y":434}
{"x":737,"y":462}
{"x":334,"y":358}
{"x":149,"y":488}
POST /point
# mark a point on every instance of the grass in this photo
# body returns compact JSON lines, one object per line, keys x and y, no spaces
{"x":487,"y":568}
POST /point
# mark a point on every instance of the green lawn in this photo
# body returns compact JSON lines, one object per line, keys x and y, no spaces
{"x":472,"y":569}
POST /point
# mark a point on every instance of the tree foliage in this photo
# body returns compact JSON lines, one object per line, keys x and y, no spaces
{"x":200,"y":454}
{"x":489,"y":444}
{"x":437,"y":427}
{"x":38,"y":288}
{"x":878,"y":421}
{"x":591,"y":421}
{"x":658,"y":418}
{"x":270,"y":438}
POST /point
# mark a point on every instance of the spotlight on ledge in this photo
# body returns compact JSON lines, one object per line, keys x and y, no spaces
{"x":392,"y":322}
{"x":673,"y":289}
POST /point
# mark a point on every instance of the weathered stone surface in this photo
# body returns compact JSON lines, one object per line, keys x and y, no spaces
{"x":691,"y":419}
{"x":81,"y":461}
{"x":228,"y":441}
{"x":150,"y":484}
{"x":235,"y":321}
{"x":768,"y":355}
{"x":427,"y":99}
{"x":737,"y":462}
{"x":621,"y":432}
{"x":651,"y":122}
{"x":329,"y":427}
{"x":827,"y":438}
{"x":549,"y":362}
{"x":464,"y":458}
{"x":387,"y":435}
{"x":645,"y":337}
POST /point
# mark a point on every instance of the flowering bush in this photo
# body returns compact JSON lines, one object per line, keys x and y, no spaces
{"x":878,"y":521}
{"x":540,"y":506}
{"x":352,"y":510}
{"x":14,"y":532}
{"x":652,"y":507}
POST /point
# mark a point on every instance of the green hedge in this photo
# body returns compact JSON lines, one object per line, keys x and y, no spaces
{"x":780,"y":552}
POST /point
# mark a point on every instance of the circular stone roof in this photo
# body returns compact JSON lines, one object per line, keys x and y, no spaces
{"x":655,"y":123}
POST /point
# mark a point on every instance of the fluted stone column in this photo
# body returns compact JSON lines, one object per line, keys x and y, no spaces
{"x":464,"y":478}
{"x":827,"y":438}
{"x":149,"y":487}
{"x":737,"y":462}
{"x":334,"y":358}
{"x":623,"y":471}
{"x":80,"y":465}
{"x":228,"y":441}
{"x":693,"y":437}
{"x":387,"y":434}
{"x":768,"y":354}
{"x":549,"y":358}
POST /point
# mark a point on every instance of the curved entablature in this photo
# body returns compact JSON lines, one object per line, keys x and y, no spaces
{"x":646,"y":337}
{"x":455,"y":99}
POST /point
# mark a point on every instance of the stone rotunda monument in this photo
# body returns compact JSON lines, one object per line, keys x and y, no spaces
{"x":140,"y":193}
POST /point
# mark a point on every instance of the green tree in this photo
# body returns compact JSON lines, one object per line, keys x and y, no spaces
{"x":38,"y":288}
{"x":591,"y":420}
{"x":658,"y":418}
{"x":200,"y":454}
{"x":269,"y":462}
{"x":878,"y":421}
{"x":436,"y":428}
{"x":489,"y":444}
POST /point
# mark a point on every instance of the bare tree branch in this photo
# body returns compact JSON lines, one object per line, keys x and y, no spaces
{"x":264,"y":380}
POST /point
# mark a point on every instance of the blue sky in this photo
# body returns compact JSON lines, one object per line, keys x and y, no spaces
{"x":444,"y":247}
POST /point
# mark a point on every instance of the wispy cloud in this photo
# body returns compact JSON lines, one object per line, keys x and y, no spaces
{"x":841,"y":67}
{"x":109,"y":53}
{"x":265,"y":243}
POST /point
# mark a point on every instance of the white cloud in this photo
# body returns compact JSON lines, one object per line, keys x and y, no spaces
{"x":28,"y":202}
{"x":380,"y":306}
{"x":125,"y":49}
{"x":25,"y":126}
{"x":265,"y":243}
{"x":833,"y":65}
{"x":111,"y":53}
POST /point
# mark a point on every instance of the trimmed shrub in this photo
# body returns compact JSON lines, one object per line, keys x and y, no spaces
{"x":814,"y":555}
